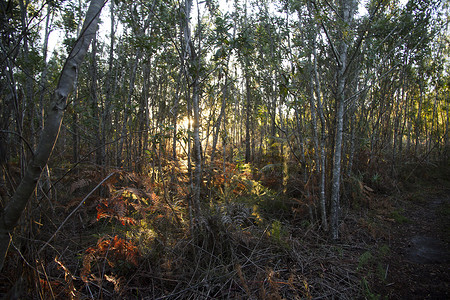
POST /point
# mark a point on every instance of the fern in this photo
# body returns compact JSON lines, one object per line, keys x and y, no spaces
{"x":78,"y":185}
{"x":238,"y":214}
{"x":122,"y":203}
{"x":112,"y":250}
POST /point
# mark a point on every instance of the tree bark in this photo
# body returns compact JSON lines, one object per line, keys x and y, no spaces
{"x":347,"y":17}
{"x":95,"y":109}
{"x":13,"y":210}
{"x":27,"y":104}
{"x":127,"y":108}
{"x":247,"y":116}
{"x":43,"y":87}
{"x":106,"y":114}
{"x":320,"y":145}
{"x":192,"y":77}
{"x":216,"y":129}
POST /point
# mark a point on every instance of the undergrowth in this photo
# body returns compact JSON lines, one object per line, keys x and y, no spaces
{"x":133,"y":239}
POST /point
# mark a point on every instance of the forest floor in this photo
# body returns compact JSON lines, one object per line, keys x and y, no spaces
{"x":417,"y":265}
{"x":134,"y":245}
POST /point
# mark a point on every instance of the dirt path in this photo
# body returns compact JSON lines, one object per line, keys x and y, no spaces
{"x":419,"y":262}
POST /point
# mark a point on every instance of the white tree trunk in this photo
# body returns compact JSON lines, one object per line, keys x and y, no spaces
{"x":347,"y":10}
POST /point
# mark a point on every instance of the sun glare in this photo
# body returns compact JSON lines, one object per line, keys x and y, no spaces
{"x":186,"y":122}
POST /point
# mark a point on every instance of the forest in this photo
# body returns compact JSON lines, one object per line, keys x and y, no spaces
{"x":224,"y":149}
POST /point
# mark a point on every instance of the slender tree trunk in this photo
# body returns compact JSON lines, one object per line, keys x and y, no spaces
{"x":106,"y":114}
{"x":13,"y":210}
{"x":221,"y":116}
{"x":337,"y":157}
{"x":247,"y":119}
{"x":193,"y":79}
{"x":27,"y":103}
{"x":418,"y":121}
{"x":321,"y":146}
{"x":352,"y":145}
{"x":346,"y":11}
{"x":197,"y":145}
{"x":43,"y":81}
{"x":447,"y":127}
{"x":75,"y":104}
{"x":434,"y":121}
{"x":175,"y":115}
{"x":43,"y":88}
{"x":146,"y":116}
{"x":95,"y":109}
{"x":127,"y":108}
{"x":397,"y":136}
{"x":406,"y":121}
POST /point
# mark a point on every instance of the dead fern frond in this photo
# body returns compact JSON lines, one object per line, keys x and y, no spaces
{"x":79,"y":184}
{"x":68,"y":277}
{"x":114,"y":280}
{"x":112,"y":251}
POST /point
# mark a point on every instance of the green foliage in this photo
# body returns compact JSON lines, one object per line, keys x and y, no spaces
{"x":364,"y":260}
{"x":68,"y":22}
{"x":271,"y":204}
{"x":376,"y":178}
{"x":278,"y":233}
{"x":369,"y":263}
{"x":367,"y":291}
{"x":69,"y":42}
{"x":276,"y":230}
{"x":399,"y":217}
{"x":384,"y":251}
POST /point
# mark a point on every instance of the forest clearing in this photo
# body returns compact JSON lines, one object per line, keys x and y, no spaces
{"x":246,"y":149}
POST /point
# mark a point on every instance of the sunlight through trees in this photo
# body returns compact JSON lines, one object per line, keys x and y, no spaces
{"x":220,"y":124}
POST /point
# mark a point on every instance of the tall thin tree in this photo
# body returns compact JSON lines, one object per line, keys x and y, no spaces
{"x":10,"y":216}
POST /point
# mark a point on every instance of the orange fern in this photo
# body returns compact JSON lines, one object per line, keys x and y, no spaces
{"x":111,"y":250}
